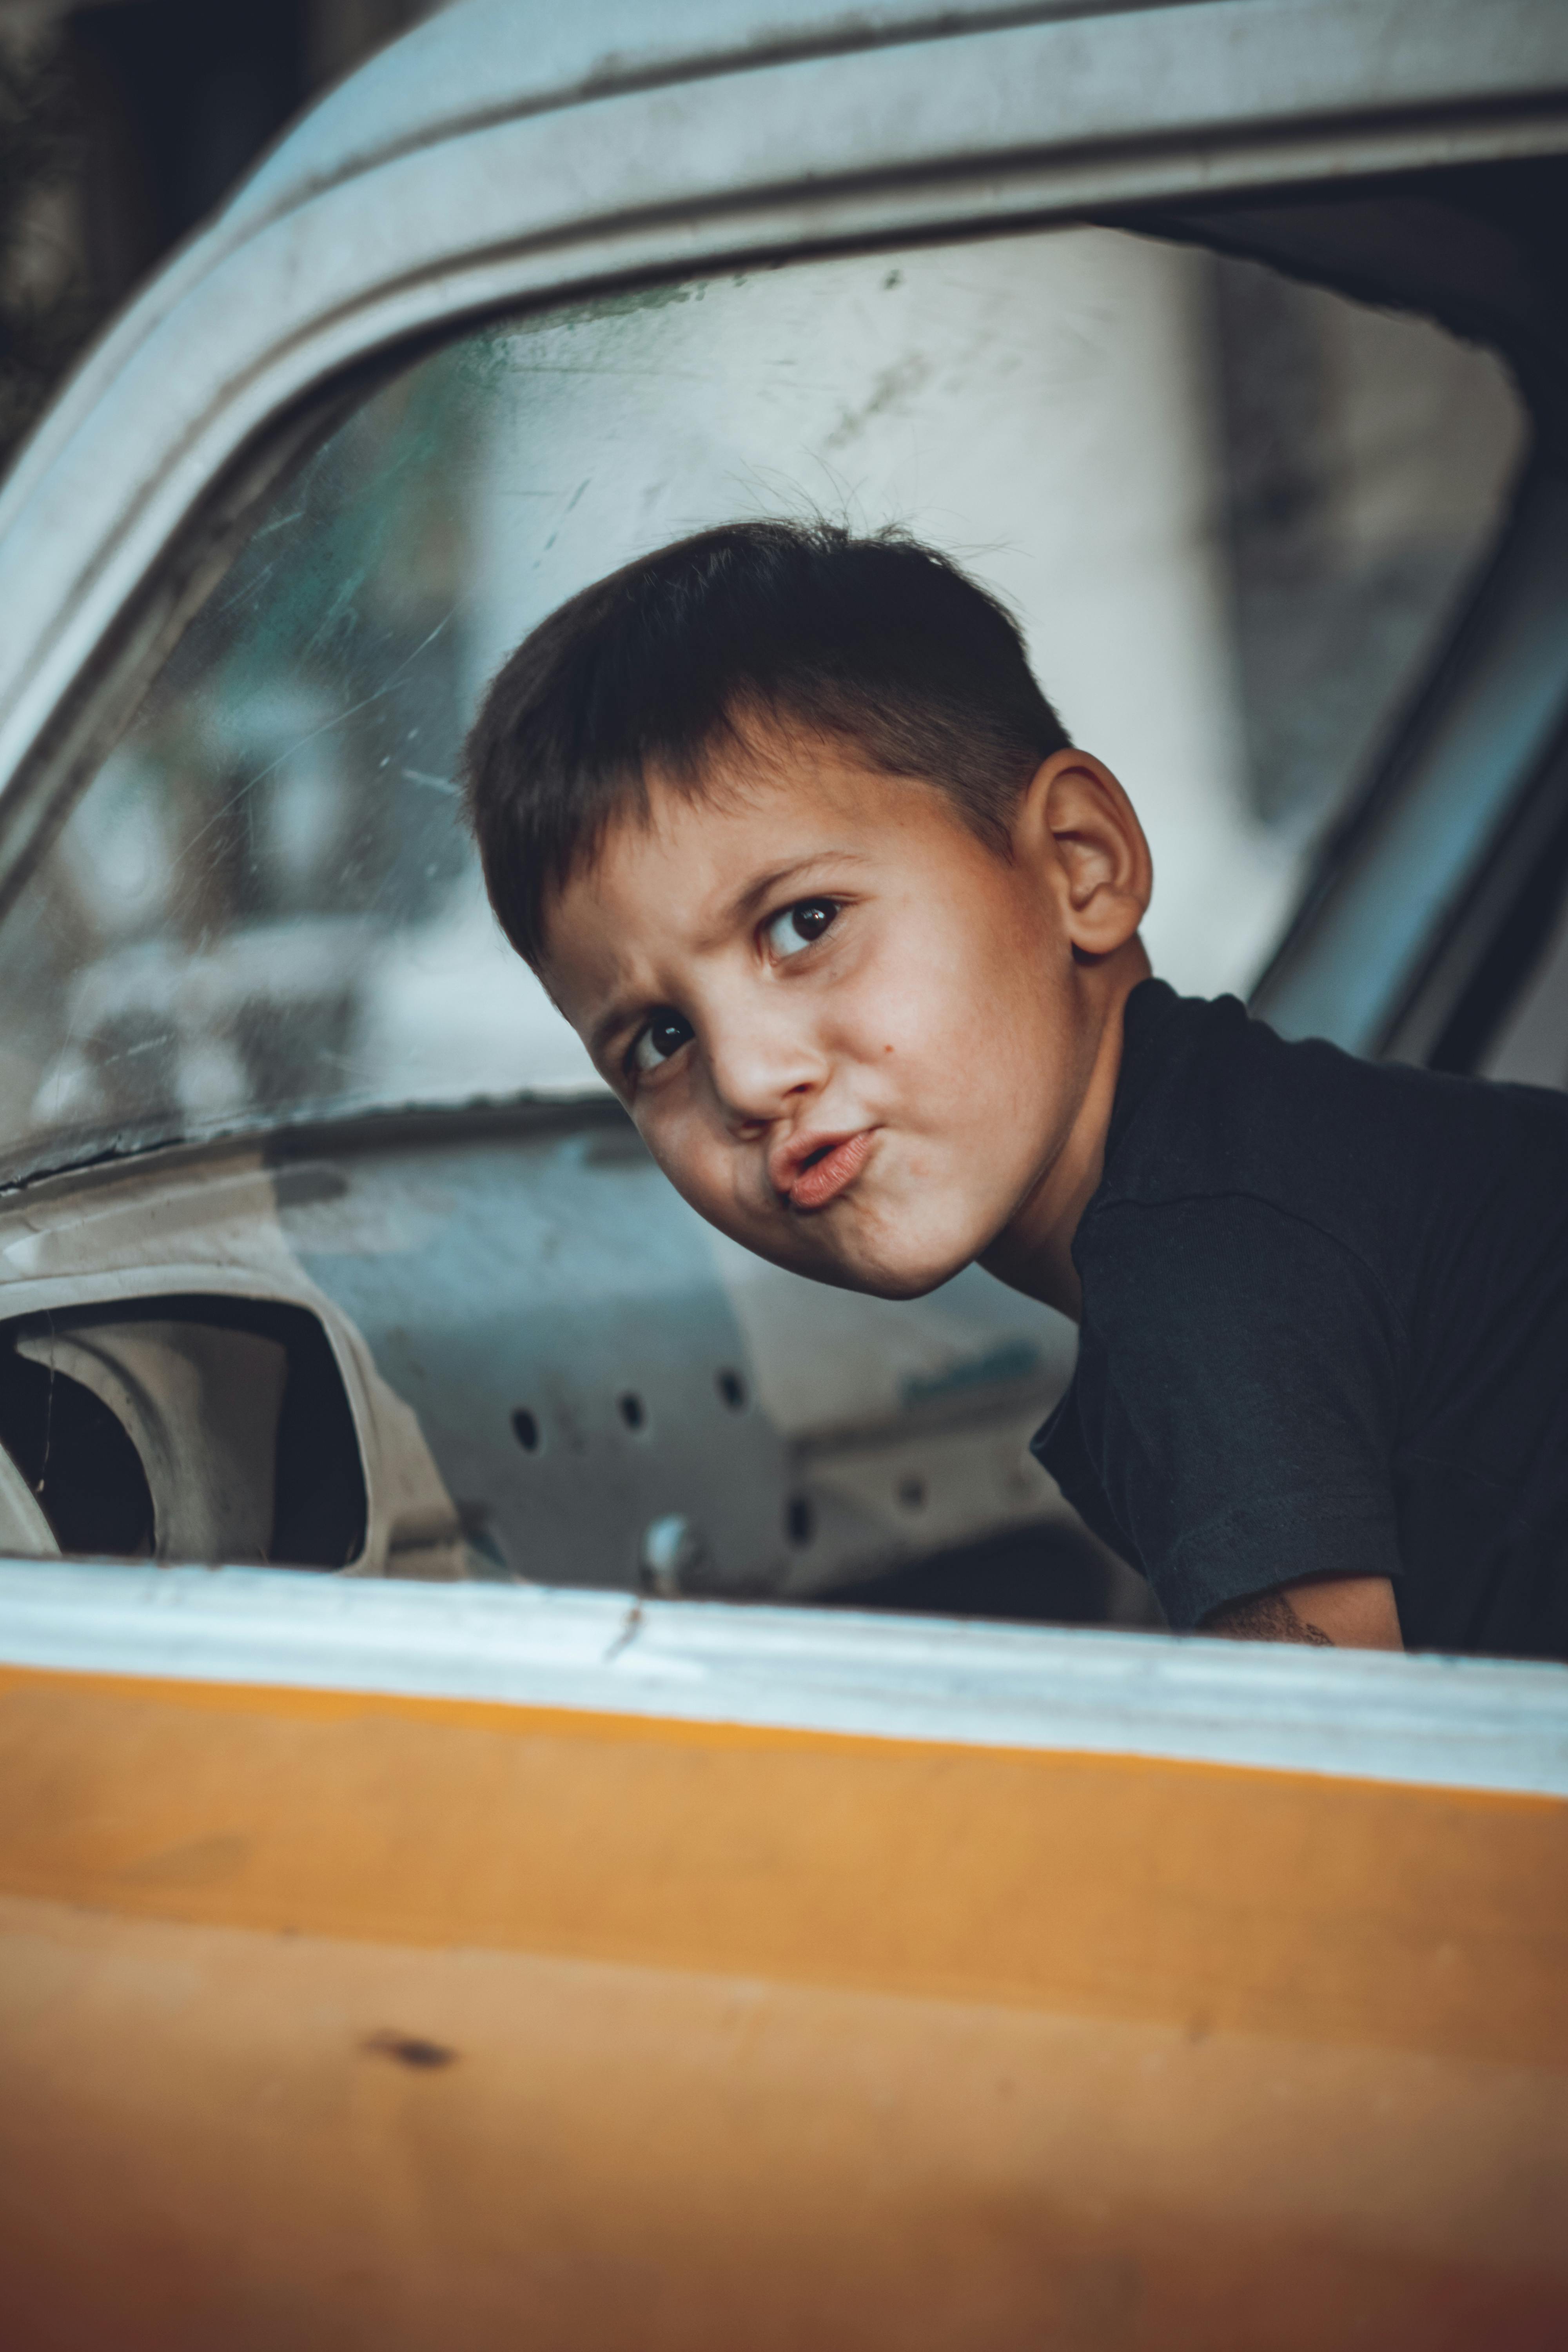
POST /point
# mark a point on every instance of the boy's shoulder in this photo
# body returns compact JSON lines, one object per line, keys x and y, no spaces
{"x":1212,"y":1103}
{"x":1325,"y":1312}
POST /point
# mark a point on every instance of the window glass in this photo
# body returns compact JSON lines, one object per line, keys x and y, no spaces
{"x":1232,"y":514}
{"x":1530,"y":1045}
{"x":1363,"y":458}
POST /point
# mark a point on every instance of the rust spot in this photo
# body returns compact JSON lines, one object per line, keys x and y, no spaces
{"x":198,"y":1861}
{"x":408,"y":2049}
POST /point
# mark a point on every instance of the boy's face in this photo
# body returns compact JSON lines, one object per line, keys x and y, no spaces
{"x":854,"y":1038}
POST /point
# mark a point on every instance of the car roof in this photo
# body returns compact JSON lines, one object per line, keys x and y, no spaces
{"x":476,"y":62}
{"x":479,"y":58}
{"x":479,"y":62}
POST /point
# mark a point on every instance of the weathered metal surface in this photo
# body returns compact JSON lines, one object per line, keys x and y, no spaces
{"x":25,"y":1532}
{"x":222,"y":2135}
{"x":432,"y":2020}
{"x":208,"y":1227}
{"x":202,"y":1409}
{"x":545,"y":1352}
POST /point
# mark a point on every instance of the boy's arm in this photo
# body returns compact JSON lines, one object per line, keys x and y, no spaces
{"x":1237,"y":1404}
{"x":1346,"y":1612}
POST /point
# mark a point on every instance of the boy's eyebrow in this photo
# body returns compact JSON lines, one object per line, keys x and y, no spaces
{"x":745,"y":900}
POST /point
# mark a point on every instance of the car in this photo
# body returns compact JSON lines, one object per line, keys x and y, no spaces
{"x":565,"y":1781}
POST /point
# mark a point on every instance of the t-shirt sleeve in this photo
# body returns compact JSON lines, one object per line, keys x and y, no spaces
{"x":1236,"y":1400}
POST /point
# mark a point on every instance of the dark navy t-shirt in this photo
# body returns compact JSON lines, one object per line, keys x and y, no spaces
{"x":1325,"y":1330}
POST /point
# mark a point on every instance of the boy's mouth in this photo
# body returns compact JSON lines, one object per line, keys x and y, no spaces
{"x":809,"y":1178}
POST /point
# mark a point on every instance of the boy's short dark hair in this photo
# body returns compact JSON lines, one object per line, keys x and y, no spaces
{"x":879,"y":641}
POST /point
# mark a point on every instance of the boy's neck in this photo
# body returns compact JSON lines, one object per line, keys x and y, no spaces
{"x":1033,"y":1253}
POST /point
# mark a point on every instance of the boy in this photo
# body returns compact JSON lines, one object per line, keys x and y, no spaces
{"x":794,"y":839}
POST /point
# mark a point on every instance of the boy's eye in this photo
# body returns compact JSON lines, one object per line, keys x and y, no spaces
{"x":799,"y":925}
{"x":664,"y":1036}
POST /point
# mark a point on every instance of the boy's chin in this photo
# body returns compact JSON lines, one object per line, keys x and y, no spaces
{"x":911,"y":1285}
{"x":890,"y":1274}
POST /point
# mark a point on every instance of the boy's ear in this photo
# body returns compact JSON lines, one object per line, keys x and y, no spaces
{"x":1079,"y":826}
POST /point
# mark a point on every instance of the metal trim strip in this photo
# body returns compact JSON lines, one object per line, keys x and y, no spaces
{"x":1476,"y":1724}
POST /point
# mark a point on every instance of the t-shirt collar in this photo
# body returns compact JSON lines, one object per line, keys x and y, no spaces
{"x":1150,"y":1008}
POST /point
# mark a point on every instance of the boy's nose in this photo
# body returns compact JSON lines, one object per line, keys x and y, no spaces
{"x":761,"y":1073}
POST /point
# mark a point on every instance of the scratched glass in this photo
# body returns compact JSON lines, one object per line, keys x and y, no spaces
{"x":1232,"y":515}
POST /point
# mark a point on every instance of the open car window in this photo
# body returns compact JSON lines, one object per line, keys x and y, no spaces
{"x":1233,"y":514}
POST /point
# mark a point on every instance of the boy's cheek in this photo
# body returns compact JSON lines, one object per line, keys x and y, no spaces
{"x":701,"y":1167}
{"x":729,"y":1190}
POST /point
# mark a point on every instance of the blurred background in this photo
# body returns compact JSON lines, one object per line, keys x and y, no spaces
{"x":121,"y":126}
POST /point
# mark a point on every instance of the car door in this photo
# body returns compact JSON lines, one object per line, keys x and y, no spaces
{"x":418,"y":1923}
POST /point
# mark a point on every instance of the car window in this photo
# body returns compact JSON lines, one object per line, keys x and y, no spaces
{"x":1232,"y":513}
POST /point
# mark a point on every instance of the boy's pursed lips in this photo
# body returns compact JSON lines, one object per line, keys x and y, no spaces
{"x":809,"y":1171}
